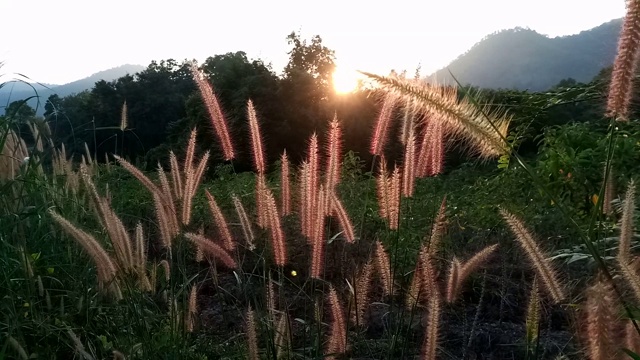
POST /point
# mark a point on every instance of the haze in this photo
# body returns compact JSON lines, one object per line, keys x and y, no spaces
{"x":57,"y":42}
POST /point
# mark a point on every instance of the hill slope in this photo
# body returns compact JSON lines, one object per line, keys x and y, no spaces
{"x":15,"y":90}
{"x":524,"y":59}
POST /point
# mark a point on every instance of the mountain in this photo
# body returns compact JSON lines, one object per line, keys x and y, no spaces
{"x":526,"y":60}
{"x":16,"y":90}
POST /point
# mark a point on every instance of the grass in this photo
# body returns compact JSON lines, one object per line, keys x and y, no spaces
{"x":102,"y":260}
{"x":224,"y":296}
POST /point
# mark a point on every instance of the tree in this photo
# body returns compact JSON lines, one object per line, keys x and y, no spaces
{"x":70,"y":120}
{"x":306,"y":89}
{"x":19,"y":112}
{"x":235,"y":80}
{"x":565,"y":83}
{"x":52,"y":106}
{"x":315,"y":60}
{"x":155,"y":98}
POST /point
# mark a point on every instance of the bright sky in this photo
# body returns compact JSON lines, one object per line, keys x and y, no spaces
{"x":65,"y":40}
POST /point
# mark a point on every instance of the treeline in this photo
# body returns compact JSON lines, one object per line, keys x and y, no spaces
{"x":163,"y":105}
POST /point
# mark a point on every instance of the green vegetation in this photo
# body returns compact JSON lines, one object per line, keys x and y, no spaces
{"x":99,"y":260}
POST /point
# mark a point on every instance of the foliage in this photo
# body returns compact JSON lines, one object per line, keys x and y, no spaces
{"x":155,"y":98}
{"x":572,"y":159}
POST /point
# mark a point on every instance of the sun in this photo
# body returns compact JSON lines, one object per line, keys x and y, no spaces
{"x":345,"y":81}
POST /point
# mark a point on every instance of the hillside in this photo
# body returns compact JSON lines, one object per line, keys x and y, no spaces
{"x":526,"y":60}
{"x":16,"y":90}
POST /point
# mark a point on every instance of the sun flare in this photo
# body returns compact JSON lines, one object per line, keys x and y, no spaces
{"x":345,"y":81}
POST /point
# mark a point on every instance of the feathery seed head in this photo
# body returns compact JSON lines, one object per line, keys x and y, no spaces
{"x":256,"y":139}
{"x":124,"y":117}
{"x":631,"y":337}
{"x":363,"y":285}
{"x":626,"y":225}
{"x":533,"y":313}
{"x":285,"y":196}
{"x":221,"y":223}
{"x":311,"y":185}
{"x":453,"y":281}
{"x":609,"y":191}
{"x":104,"y":264}
{"x":394,"y":198}
{"x":247,"y":229}
{"x":275,"y":227}
{"x":408,"y":175}
{"x":483,"y":130}
{"x":304,"y":197}
{"x":176,"y":178}
{"x":431,"y":336}
{"x":338,"y":336}
{"x":252,"y":336}
{"x":541,"y":264}
{"x":382,"y":125}
{"x":478,"y":260}
{"x":382,"y":187}
{"x":416,"y":290}
{"x":601,"y":320}
{"x":317,"y":239}
{"x":192,"y":309}
{"x":334,"y":149}
{"x":431,"y":158}
{"x":343,"y":218}
{"x":383,"y":267}
{"x":212,"y":249}
{"x":261,"y":201}
{"x":625,"y":64}
{"x":439,"y":227}
{"x":215,"y":112}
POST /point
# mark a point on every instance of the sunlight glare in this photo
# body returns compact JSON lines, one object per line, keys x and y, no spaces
{"x":345,"y":81}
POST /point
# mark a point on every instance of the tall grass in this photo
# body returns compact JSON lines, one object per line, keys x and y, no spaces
{"x":191,"y":276}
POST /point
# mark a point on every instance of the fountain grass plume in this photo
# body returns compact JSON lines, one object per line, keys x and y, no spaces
{"x":484,"y":130}
{"x":625,"y":64}
{"x":215,"y":112}
{"x":539,"y":260}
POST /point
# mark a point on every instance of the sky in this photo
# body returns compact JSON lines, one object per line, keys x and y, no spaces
{"x":60,"y":41}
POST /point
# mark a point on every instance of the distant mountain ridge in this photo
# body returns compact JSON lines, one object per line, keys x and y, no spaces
{"x":17,"y":90}
{"x":523,"y":59}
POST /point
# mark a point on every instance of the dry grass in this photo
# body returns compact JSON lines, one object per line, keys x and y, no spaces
{"x":12,"y":155}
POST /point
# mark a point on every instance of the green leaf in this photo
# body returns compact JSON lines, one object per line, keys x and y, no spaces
{"x":105,"y":344}
{"x":631,"y":354}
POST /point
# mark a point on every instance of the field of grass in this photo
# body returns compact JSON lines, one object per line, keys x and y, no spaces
{"x":500,"y":257}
